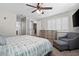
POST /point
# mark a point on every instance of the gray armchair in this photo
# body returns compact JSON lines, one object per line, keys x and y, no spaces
{"x":71,"y":41}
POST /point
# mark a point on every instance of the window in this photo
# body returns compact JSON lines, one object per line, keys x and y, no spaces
{"x":59,"y":24}
{"x":65,"y":24}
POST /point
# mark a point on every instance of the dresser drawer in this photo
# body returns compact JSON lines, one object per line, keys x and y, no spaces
{"x":49,"y":34}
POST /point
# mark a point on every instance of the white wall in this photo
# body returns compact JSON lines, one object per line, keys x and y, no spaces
{"x":8,"y":26}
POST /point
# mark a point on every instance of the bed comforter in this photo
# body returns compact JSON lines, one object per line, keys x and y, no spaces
{"x":25,"y":46}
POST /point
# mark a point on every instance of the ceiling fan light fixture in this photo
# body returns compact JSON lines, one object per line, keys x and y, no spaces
{"x":39,"y":11}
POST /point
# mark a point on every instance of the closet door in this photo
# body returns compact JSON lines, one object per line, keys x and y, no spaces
{"x":23,"y":26}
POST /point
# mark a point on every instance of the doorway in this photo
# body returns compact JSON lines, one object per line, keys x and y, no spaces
{"x":21,"y":25}
{"x":35,"y":28}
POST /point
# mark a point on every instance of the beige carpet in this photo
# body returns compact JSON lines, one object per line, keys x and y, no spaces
{"x":65,"y":53}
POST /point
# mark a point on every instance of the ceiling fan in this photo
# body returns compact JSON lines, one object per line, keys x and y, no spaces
{"x":39,"y":8}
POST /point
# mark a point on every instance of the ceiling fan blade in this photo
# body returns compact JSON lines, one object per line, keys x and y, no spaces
{"x":31,"y":5}
{"x":34,"y":11}
{"x":46,"y":8}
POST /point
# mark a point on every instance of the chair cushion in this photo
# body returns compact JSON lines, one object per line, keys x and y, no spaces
{"x":66,"y":39}
{"x":72,"y":35}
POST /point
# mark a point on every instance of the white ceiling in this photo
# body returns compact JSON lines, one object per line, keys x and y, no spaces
{"x":21,"y":8}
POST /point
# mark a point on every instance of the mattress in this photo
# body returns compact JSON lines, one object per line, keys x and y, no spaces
{"x":25,"y":46}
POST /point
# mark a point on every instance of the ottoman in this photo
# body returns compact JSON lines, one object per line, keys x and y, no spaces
{"x":61,"y":45}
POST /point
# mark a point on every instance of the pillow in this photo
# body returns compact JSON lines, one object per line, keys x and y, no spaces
{"x":2,"y":40}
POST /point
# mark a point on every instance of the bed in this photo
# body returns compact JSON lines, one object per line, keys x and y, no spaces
{"x":25,"y":46}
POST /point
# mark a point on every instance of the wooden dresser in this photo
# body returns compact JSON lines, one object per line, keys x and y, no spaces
{"x":49,"y":34}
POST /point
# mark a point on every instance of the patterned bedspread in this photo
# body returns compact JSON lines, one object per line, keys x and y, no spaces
{"x":25,"y":46}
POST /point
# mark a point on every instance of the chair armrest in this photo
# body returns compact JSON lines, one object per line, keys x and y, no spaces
{"x":69,"y":39}
{"x":74,"y":39}
{"x":77,"y":37}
